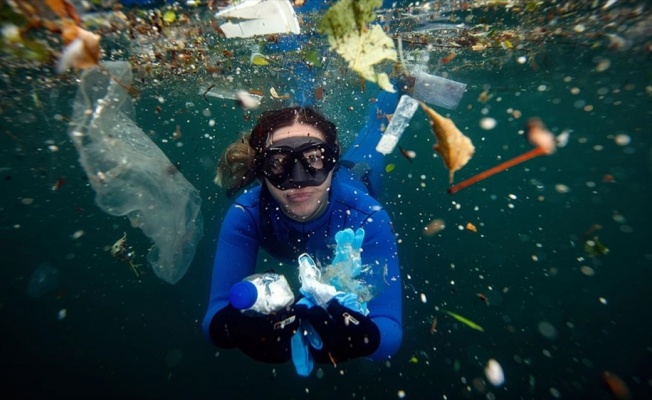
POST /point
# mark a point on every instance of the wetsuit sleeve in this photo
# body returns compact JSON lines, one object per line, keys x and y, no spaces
{"x":385,"y":310}
{"x":362,"y":156}
{"x":262,"y":337}
{"x":235,"y":258}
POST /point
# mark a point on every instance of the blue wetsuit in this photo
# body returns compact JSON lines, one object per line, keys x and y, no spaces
{"x":255,"y":220}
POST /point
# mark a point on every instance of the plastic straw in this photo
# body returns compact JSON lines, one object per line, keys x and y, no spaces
{"x":537,"y":151}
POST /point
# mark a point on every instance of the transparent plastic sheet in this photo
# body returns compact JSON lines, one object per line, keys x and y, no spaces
{"x":43,"y":280}
{"x":130,"y":175}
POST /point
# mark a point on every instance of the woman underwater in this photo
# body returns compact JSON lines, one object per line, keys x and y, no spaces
{"x":306,"y":194}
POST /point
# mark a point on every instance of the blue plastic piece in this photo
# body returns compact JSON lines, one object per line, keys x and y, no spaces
{"x":302,"y":340}
{"x":243,"y":295}
{"x":307,"y":336}
{"x":347,"y":261}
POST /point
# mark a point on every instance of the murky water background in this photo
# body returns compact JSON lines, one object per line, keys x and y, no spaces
{"x":561,"y":310}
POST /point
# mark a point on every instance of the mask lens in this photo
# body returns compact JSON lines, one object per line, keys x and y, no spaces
{"x":314,"y":157}
{"x":293,"y":167}
{"x":277,"y":164}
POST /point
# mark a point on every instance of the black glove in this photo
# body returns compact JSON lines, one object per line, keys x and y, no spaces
{"x":262,"y":337}
{"x":346,"y":333}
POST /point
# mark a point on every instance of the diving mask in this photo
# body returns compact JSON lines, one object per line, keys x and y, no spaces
{"x":297,"y":162}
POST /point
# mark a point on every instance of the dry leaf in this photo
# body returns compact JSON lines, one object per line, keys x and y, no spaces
{"x":82,"y":48}
{"x":363,"y":46}
{"x":64,"y":9}
{"x":455,"y":148}
{"x":58,"y":7}
{"x":366,"y":49}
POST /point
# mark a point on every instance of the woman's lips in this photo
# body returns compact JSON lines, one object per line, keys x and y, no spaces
{"x":299,"y":196}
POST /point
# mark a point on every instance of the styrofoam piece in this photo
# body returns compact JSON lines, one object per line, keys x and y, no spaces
{"x":259,"y":17}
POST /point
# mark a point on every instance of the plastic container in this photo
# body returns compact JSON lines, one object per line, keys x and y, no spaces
{"x":438,"y":91}
{"x":264,"y":293}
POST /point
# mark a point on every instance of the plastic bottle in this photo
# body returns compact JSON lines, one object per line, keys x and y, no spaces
{"x":264,"y":293}
{"x":400,"y":120}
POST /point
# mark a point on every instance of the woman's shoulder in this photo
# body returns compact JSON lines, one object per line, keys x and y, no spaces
{"x":351,"y":193}
{"x":243,"y":215}
{"x":249,"y":198}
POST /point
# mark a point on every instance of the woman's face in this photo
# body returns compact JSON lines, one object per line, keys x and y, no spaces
{"x":307,"y":202}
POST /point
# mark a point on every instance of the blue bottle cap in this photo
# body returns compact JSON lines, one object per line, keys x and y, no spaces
{"x":243,"y":295}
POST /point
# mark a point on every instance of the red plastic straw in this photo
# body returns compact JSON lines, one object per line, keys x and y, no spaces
{"x":537,"y":151}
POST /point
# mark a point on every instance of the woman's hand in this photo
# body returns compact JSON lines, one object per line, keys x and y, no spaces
{"x":345,"y":333}
{"x":262,"y":337}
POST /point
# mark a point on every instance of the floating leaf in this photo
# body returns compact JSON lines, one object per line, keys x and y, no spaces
{"x":312,"y":57}
{"x":259,"y":59}
{"x":58,"y":7}
{"x":64,"y":9}
{"x":82,"y":48}
{"x":170,"y":17}
{"x":455,"y":148}
{"x":362,"y":46}
{"x":347,"y":15}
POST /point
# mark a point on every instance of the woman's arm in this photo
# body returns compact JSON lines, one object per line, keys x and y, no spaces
{"x":262,"y":337}
{"x":235,"y":258}
{"x":386,"y":308}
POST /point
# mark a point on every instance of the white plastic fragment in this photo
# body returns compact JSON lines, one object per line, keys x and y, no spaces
{"x":494,"y":373}
{"x":247,"y":100}
{"x":438,"y":91}
{"x":258,"y":17}
{"x":488,"y":123}
{"x":405,"y":109}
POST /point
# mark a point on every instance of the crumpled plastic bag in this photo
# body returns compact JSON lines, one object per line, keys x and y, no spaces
{"x":131,"y":176}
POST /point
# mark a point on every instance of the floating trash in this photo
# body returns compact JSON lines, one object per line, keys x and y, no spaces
{"x":43,"y":280}
{"x":494,"y":373}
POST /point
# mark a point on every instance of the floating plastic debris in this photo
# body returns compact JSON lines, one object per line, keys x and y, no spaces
{"x":257,"y":17}
{"x":405,"y":109}
{"x":494,"y":373}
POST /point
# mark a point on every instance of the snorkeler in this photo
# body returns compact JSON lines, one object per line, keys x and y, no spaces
{"x":307,"y":194}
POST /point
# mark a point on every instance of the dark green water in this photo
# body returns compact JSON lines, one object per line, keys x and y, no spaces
{"x":557,"y":316}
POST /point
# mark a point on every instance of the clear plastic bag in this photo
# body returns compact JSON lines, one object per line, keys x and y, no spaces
{"x":131,"y":176}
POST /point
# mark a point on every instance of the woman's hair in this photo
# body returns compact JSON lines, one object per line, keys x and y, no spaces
{"x":236,"y":166}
